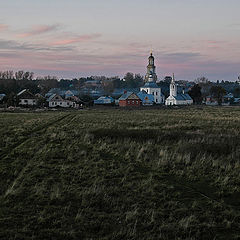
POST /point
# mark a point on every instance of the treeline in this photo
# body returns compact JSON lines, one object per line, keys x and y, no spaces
{"x":14,"y":82}
{"x":204,"y":88}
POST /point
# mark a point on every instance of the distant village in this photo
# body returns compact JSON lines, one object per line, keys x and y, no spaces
{"x":21,"y":90}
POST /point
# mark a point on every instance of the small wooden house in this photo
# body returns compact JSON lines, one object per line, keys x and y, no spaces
{"x":26,"y":98}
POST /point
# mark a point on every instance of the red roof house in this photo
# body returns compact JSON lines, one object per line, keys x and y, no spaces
{"x":129,"y":99}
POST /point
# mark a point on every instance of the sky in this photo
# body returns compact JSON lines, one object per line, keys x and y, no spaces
{"x":79,"y":38}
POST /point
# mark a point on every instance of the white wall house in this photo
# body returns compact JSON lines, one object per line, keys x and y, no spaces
{"x":26,"y":98}
{"x":57,"y":101}
{"x":176,"y":98}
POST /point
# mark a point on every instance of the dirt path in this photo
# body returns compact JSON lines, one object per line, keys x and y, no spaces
{"x":4,"y":192}
{"x":38,"y":129}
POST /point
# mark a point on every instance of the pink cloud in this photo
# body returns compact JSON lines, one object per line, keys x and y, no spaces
{"x":82,"y":38}
{"x":37,"y":30}
{"x":3,"y":27}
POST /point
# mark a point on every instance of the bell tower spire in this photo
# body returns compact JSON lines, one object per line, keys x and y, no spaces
{"x":151,"y":69}
{"x":173,"y":87}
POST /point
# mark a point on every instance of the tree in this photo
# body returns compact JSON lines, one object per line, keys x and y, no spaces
{"x":12,"y":99}
{"x":196,"y":94}
{"x":218,"y":92}
{"x":108,"y":86}
{"x":236,"y":92}
{"x":139,"y":80}
{"x":167,"y":79}
{"x":202,"y":80}
{"x":205,"y":85}
{"x":133,"y":81}
{"x":129,"y":79}
{"x":19,"y":75}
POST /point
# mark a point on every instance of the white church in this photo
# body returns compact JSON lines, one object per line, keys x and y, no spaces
{"x":150,"y":86}
{"x":176,"y":98}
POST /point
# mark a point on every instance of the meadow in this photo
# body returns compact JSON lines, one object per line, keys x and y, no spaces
{"x":121,"y":174}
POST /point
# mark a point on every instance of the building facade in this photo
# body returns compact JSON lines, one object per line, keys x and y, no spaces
{"x":129,"y":99}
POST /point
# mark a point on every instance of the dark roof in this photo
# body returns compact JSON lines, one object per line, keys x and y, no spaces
{"x":55,"y":97}
{"x":145,"y":96}
{"x":151,"y":85}
{"x":104,"y":100}
{"x":61,"y":92}
{"x":182,"y":96}
{"x":26,"y":94}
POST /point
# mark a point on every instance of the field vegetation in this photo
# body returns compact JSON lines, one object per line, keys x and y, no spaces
{"x":121,"y":174}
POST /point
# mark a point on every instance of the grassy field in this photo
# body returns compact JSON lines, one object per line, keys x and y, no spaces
{"x":121,"y":174}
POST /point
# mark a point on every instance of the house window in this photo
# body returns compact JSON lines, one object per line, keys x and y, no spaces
{"x":60,"y":103}
{"x":156,"y":93}
{"x":153,"y":93}
{"x":128,"y":102}
{"x":133,"y":102}
{"x":136,"y":102}
{"x":25,"y":101}
{"x":156,"y":100}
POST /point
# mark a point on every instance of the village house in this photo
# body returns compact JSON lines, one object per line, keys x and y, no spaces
{"x":209,"y":100}
{"x":129,"y":99}
{"x":26,"y":98}
{"x":226,"y":100}
{"x":104,"y":100}
{"x":57,"y":101}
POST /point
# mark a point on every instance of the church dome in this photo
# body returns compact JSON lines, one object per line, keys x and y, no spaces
{"x":151,"y":56}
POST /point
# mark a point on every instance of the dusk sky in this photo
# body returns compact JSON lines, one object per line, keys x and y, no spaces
{"x":74,"y":38}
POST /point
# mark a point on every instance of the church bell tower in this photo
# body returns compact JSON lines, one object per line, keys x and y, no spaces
{"x":151,"y":70}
